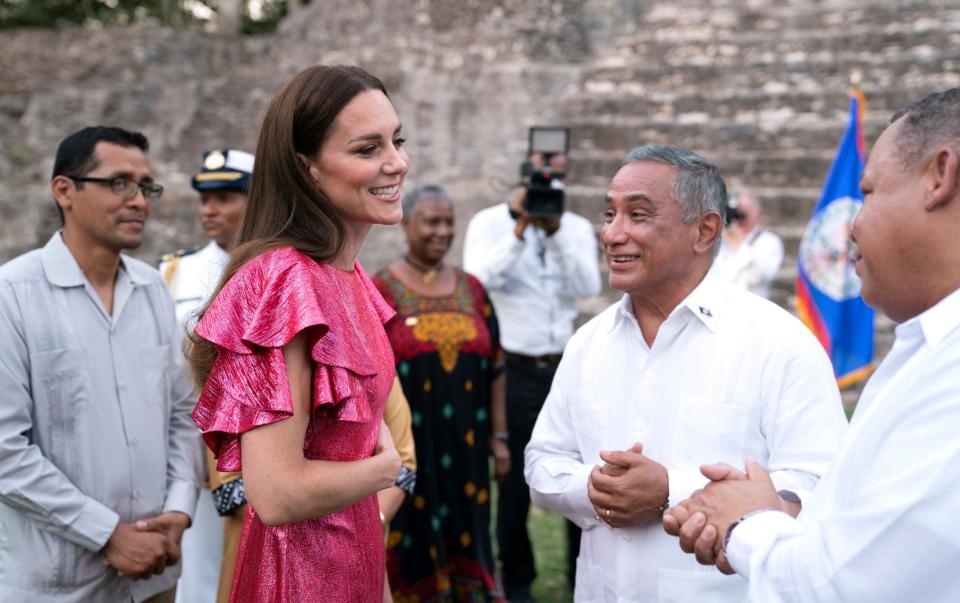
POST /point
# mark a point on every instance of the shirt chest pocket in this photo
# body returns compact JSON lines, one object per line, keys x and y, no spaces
{"x":708,"y":433}
{"x":155,"y":363}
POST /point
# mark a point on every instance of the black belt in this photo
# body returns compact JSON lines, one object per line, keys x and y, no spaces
{"x":538,"y":361}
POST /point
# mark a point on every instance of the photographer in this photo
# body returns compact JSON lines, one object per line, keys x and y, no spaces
{"x":750,"y":255}
{"x":534,"y":264}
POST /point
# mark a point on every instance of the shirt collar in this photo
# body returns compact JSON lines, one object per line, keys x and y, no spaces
{"x":62,"y":269}
{"x":59,"y":264}
{"x":705,"y":302}
{"x":623,"y":313}
{"x":215,"y":250}
{"x":936,"y":322}
{"x":137,"y":274}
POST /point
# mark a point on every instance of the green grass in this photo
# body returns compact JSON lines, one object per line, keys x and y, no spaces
{"x":549,"y":537}
{"x":548,"y":534}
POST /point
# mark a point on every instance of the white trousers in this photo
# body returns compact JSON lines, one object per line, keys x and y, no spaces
{"x":201,"y":554}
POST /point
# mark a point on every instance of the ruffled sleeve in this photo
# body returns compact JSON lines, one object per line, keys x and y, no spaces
{"x":266,"y":303}
{"x":262,"y":307}
{"x":243,"y":391}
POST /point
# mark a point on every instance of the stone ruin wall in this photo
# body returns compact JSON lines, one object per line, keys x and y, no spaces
{"x":758,"y":87}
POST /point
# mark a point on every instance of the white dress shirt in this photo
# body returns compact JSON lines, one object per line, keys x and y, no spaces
{"x":95,"y":425}
{"x":881,"y":526}
{"x":534,"y":282}
{"x":729,"y":375}
{"x":194,"y":278}
{"x":754,"y":264}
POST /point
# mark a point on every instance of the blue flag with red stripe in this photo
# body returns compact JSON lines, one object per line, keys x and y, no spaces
{"x":828,"y":288}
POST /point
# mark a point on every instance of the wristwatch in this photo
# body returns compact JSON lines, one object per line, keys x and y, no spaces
{"x":789,"y":495}
{"x":726,"y":537}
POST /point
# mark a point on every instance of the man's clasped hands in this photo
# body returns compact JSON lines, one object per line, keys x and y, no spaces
{"x":146,"y":547}
{"x":630,"y":489}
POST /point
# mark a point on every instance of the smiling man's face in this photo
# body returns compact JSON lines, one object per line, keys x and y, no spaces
{"x":98,"y":215}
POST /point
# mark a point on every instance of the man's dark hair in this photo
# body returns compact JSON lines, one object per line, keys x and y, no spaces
{"x":935,"y":120}
{"x":75,"y":153}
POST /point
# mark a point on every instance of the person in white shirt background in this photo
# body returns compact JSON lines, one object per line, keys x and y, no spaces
{"x":750,"y":254}
{"x":222,"y":183}
{"x":685,"y":369}
{"x":535,"y":269}
{"x":881,"y":524}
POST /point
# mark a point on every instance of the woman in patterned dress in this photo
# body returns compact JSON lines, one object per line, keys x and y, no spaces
{"x":446,"y":342}
{"x":291,"y":351}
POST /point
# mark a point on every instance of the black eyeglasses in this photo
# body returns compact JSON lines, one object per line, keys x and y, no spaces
{"x":126,"y":188}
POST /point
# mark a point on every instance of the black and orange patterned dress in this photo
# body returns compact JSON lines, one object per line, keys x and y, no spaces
{"x":448,"y":352}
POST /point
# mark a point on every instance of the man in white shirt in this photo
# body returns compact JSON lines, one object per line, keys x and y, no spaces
{"x":881,"y":524}
{"x":534,"y":268}
{"x":222,"y":182}
{"x":99,"y":457}
{"x":684,"y":369}
{"x":750,"y":255}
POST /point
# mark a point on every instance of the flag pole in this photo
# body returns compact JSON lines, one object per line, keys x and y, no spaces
{"x":856,"y":77}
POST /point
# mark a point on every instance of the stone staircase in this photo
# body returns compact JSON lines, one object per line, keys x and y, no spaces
{"x":758,"y":86}
{"x":760,"y":89}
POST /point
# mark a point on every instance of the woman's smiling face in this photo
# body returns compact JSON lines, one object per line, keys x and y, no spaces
{"x":361,"y":165}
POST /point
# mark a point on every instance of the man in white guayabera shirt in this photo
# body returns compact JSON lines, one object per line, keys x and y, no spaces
{"x":685,"y":369}
{"x":535,"y":268}
{"x":881,"y":525}
{"x":99,"y":463}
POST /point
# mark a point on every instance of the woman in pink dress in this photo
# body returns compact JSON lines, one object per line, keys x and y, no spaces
{"x":291,"y":352}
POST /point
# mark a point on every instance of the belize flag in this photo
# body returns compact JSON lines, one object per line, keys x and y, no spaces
{"x":828,"y":288}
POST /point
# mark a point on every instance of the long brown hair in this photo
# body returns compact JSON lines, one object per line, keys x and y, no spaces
{"x":284,"y":206}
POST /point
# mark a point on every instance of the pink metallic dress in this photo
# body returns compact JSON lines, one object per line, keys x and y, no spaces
{"x":339,"y":557}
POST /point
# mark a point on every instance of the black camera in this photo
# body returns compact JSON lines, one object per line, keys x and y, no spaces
{"x":542,"y":175}
{"x":733,"y":212}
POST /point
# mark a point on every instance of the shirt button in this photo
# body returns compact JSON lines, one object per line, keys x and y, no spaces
{"x":625,"y":537}
{"x":133,"y":441}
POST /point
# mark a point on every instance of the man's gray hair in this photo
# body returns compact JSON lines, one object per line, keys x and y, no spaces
{"x":698,"y":188}
{"x":424,"y":190}
{"x":928,"y":123}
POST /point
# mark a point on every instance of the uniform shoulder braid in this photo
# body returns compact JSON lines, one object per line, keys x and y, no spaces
{"x":176,"y":255}
{"x":171,"y":261}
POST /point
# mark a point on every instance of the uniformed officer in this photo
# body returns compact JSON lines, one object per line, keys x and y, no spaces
{"x":222,"y":184}
{"x":210,"y":546}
